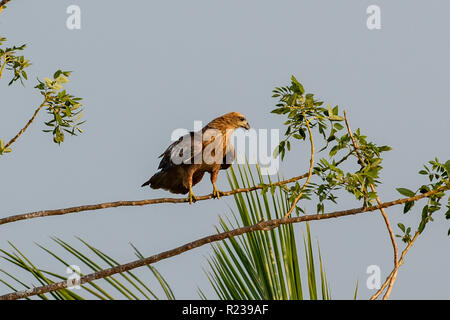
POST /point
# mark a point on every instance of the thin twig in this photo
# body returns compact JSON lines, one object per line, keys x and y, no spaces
{"x":310,"y":171}
{"x":2,"y":67}
{"x":391,"y":278}
{"x":209,"y":239}
{"x":115,"y":204}
{"x":395,"y":271}
{"x":27,"y":125}
{"x":372,"y":187}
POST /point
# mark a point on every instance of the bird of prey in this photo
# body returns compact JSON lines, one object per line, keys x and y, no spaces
{"x":186,"y":160}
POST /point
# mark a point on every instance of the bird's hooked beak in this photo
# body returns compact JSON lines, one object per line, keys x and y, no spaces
{"x":246,"y":126}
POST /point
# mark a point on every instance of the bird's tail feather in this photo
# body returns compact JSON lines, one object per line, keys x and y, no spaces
{"x":146,"y":183}
{"x":166,"y":180}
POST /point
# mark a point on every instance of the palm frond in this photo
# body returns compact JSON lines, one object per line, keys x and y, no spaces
{"x":263,"y":264}
{"x":126,"y":285}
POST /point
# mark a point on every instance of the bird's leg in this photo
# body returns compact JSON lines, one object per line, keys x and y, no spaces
{"x":216,"y":192}
{"x":191,"y":197}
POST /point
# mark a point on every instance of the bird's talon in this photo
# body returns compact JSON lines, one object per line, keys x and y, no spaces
{"x":191,"y":198}
{"x":216,"y":193}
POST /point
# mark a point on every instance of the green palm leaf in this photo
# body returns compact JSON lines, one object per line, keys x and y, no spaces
{"x":263,"y":264}
{"x":125,"y":285}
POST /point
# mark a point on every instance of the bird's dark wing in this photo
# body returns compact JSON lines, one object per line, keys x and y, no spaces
{"x":182,"y":151}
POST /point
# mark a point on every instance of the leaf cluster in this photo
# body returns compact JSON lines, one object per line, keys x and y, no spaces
{"x":301,"y":110}
{"x":11,"y":60}
{"x":65,"y":109}
{"x":438,"y":174}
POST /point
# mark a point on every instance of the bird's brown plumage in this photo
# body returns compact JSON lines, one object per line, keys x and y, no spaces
{"x":185,"y":161}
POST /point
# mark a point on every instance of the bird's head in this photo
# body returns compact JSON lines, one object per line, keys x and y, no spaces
{"x":232,"y":120}
{"x":238,"y":120}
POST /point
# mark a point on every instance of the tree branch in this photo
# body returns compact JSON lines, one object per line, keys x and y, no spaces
{"x":115,"y":204}
{"x":209,"y":239}
{"x":27,"y":125}
{"x":132,"y":203}
{"x":372,"y":187}
{"x":395,"y":271}
{"x":392,"y":276}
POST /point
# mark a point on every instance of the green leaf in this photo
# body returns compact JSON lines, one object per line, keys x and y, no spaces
{"x":384,"y":148}
{"x":282,"y":110}
{"x":425,"y":212}
{"x":332,"y":116}
{"x":408,"y":206}
{"x":447,"y":214}
{"x":422,"y":226}
{"x":297,"y":87}
{"x":57,"y":74}
{"x":61,"y":79}
{"x":406,"y":192}
{"x":372,"y":195}
{"x":336,"y":110}
{"x":447,"y":166}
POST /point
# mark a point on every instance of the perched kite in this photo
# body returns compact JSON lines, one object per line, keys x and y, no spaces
{"x":186,"y":160}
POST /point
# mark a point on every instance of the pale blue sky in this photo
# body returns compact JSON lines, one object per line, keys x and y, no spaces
{"x":145,"y":68}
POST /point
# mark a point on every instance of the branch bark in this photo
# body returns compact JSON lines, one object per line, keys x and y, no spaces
{"x":392,"y":276}
{"x":27,"y":125}
{"x":263,"y":225}
{"x":132,"y":203}
{"x":115,"y":204}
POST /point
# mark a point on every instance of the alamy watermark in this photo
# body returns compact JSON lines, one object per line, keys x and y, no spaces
{"x":73,"y":280}
{"x":73,"y":21}
{"x":373,"y":21}
{"x":216,"y":147}
{"x":374,"y":279}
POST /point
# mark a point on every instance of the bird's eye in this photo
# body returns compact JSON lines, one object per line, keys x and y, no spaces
{"x":242,"y":119}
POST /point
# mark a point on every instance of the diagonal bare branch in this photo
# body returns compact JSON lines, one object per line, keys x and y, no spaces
{"x":27,"y":125}
{"x":263,"y":225}
{"x":372,"y":187}
{"x":392,"y":276}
